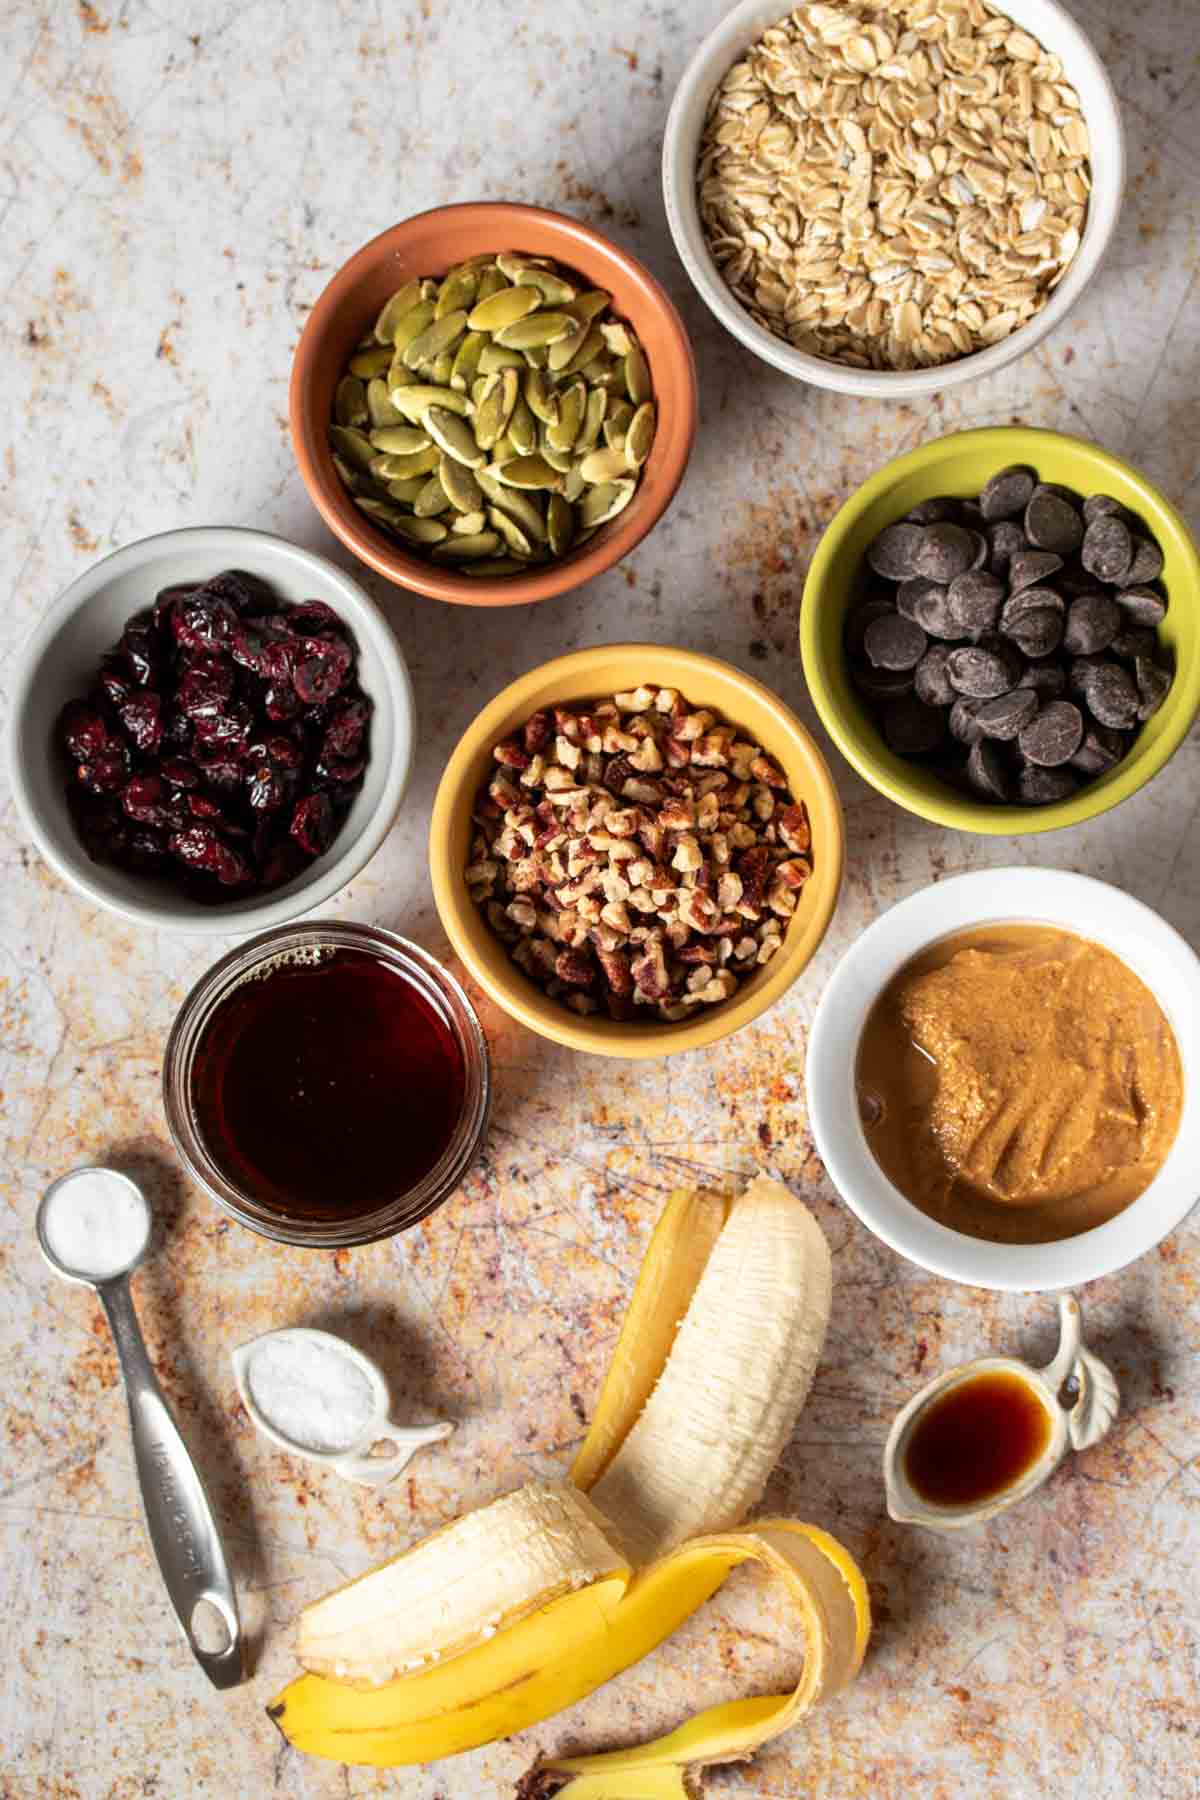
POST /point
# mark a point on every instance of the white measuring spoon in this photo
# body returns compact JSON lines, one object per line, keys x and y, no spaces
{"x":93,"y":1227}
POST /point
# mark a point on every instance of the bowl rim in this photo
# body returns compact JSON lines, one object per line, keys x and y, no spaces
{"x":1135,"y":933}
{"x":960,"y":813}
{"x":342,"y":868}
{"x":410,"y":572}
{"x":518,"y":997}
{"x":731,"y":35}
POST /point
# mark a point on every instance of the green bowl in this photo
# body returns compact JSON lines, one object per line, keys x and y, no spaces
{"x":959,"y":465}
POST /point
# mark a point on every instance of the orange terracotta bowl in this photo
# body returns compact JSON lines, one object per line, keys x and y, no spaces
{"x":428,"y":245}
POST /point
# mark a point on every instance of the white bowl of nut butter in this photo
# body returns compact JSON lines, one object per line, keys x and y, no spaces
{"x":1004,"y":1079}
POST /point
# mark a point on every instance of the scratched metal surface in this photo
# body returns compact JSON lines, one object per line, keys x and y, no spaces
{"x":174,"y":198}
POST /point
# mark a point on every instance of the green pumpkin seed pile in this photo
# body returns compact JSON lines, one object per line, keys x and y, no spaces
{"x":494,"y":419}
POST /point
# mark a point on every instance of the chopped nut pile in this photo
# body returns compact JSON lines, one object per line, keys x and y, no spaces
{"x":894,"y":185}
{"x":637,"y":854}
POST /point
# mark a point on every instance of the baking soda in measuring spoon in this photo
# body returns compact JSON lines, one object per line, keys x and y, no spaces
{"x":96,"y":1223}
{"x":309,"y":1392}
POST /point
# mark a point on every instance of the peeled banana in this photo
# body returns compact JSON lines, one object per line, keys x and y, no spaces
{"x":520,"y":1608}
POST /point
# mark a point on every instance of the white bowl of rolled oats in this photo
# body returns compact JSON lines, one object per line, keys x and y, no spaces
{"x":886,"y":197}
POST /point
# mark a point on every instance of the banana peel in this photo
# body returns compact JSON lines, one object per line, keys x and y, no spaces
{"x":717,"y":1276}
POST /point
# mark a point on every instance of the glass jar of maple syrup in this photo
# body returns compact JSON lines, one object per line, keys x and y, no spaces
{"x":327,"y":1083}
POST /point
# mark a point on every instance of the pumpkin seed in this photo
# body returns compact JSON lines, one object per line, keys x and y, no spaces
{"x":504,"y":449}
{"x":503,"y":309}
{"x":637,"y":376}
{"x":400,"y":440}
{"x":606,"y":465}
{"x":526,"y":472}
{"x":558,"y":459}
{"x":380,"y":410}
{"x":491,"y":281}
{"x":460,"y":485}
{"x":495,"y":357}
{"x":515,"y":505}
{"x":522,"y":428}
{"x":407,"y":491}
{"x":365,"y":363}
{"x":586,"y":307}
{"x":398,"y":375}
{"x":416,"y":320}
{"x":540,"y":396}
{"x":604,"y":502}
{"x":468,"y":524}
{"x":536,"y":356}
{"x":350,"y":401}
{"x":465,"y":366}
{"x":431,"y":500}
{"x":457,"y":292}
{"x":560,"y":525}
{"x":573,"y":484}
{"x":401,"y":302}
{"x":494,"y":565}
{"x":421,"y":462}
{"x":437,"y":335}
{"x":616,"y":422}
{"x":535,"y":331}
{"x":640,"y":435}
{"x":381,"y":511}
{"x":353,"y":446}
{"x":350,"y":477}
{"x":467,"y":549}
{"x":454,"y":436}
{"x":420,"y":531}
{"x":572,"y":405}
{"x":562,"y":352}
{"x":593,"y":419}
{"x":553,"y":289}
{"x":510,"y":531}
{"x":494,"y":409}
{"x":616,"y":338}
{"x":440,"y":369}
{"x":412,"y":401}
{"x":591,"y":347}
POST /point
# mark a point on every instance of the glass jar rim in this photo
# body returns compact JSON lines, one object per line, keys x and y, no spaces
{"x":433,"y":981}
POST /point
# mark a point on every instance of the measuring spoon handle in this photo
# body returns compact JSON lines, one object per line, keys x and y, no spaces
{"x":178,"y":1515}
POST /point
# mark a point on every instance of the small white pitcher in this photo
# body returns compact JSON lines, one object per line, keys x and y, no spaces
{"x":1079,"y":1395}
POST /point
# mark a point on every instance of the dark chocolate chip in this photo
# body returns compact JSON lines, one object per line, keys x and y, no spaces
{"x":930,"y":680}
{"x":1038,"y":631}
{"x":933,"y":512}
{"x":944,"y":551}
{"x":1007,"y":715}
{"x":1107,"y":549}
{"x":970,"y":513}
{"x":1053,"y":736}
{"x":1092,"y":623}
{"x":975,"y":600}
{"x":895,"y":643}
{"x":881,"y":684}
{"x":1042,"y":787}
{"x":1069,"y":494}
{"x":911,"y":592}
{"x":982,"y":672}
{"x":1028,"y":567}
{"x":1005,"y":541}
{"x":1100,"y":750}
{"x":1082,"y":671}
{"x":1034,"y":599}
{"x":1008,"y":492}
{"x":857,"y":620}
{"x":980,"y":559}
{"x":1101,"y":506}
{"x":964,"y":720}
{"x":1073,"y":580}
{"x":1052,"y":523}
{"x":1112,"y":696}
{"x":1153,"y":685}
{"x":1147,"y":564}
{"x":893,"y":553}
{"x":1047,"y":678}
{"x":911,"y":728}
{"x":1141,"y":605}
{"x":986,"y":770}
{"x":932,"y":613}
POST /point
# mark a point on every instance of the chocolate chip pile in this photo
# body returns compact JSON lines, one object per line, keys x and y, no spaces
{"x":638,"y":856}
{"x":223,"y":740}
{"x":1012,"y":640}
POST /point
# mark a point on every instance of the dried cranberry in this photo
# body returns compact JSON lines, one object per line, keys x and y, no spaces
{"x":139,"y":651}
{"x":282,"y":702}
{"x":322,"y":669}
{"x":200,"y":848}
{"x":206,"y":688}
{"x":338,"y":772}
{"x":180,"y":772}
{"x":177,"y":729}
{"x":312,"y":618}
{"x":101,"y":825}
{"x":166,"y":601}
{"x":280,"y":863}
{"x":141,"y":719}
{"x":203,"y":806}
{"x":232,"y":728}
{"x":312,"y":824}
{"x":146,"y":850}
{"x":144,"y":799}
{"x":346,"y":728}
{"x":82,"y":730}
{"x":265,"y":788}
{"x":203,"y":622}
{"x":219,"y":767}
{"x":116,"y":686}
{"x":239,"y":589}
{"x":107,"y":771}
{"x":284,"y":750}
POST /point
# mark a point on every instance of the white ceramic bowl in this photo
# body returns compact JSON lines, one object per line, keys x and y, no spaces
{"x":60,"y":661}
{"x":1151,"y":948}
{"x":1047,"y":21}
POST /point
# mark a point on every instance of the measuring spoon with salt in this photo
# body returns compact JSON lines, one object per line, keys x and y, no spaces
{"x":93,"y":1227}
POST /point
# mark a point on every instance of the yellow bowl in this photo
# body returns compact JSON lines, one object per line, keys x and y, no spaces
{"x":594,"y":675}
{"x":959,"y":465}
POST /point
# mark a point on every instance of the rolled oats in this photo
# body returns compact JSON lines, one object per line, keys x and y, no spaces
{"x":894,"y":184}
{"x":638,"y":858}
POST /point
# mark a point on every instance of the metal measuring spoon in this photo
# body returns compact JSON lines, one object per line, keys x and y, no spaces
{"x":93,"y":1228}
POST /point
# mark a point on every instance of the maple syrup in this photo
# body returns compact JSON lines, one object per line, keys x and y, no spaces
{"x":325,"y":1086}
{"x":977,"y":1440}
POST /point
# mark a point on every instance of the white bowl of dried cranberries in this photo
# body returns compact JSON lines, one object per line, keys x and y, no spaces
{"x":211,"y":731}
